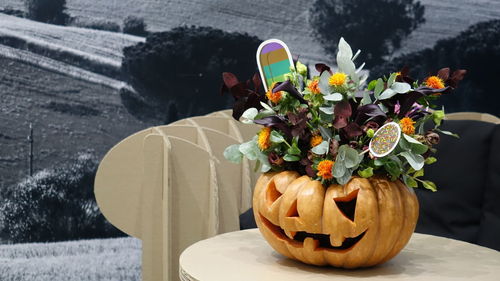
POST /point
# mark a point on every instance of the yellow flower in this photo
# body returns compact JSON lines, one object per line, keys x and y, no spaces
{"x":325,"y":169}
{"x":274,"y":97}
{"x":337,"y":79}
{"x":315,"y":140}
{"x":407,"y":126}
{"x":263,"y":138}
{"x":434,"y":82}
{"x":314,"y":87}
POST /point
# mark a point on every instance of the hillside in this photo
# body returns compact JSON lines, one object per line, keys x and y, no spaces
{"x":69,"y":115}
{"x":85,"y":260}
{"x":285,"y":19}
{"x":94,"y":50}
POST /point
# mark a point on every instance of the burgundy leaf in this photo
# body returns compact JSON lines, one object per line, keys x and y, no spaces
{"x":288,"y":87}
{"x":352,"y":130}
{"x":257,"y":83}
{"x":320,"y":67}
{"x":275,"y":122}
{"x":456,"y":77}
{"x":342,"y":112}
{"x":343,"y":108}
{"x":444,"y":73}
{"x":403,"y":77}
{"x":369,"y":112}
{"x":407,"y":101}
{"x":310,"y":172}
{"x":238,"y":108}
{"x":229,"y":79}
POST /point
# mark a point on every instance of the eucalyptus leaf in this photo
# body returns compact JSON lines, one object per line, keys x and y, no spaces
{"x":321,"y":148}
{"x":276,"y":137}
{"x":233,"y":154}
{"x":344,"y":60}
{"x":416,"y":161}
{"x":333,"y":97}
{"x":341,"y":155}
{"x":327,"y":110}
{"x":291,"y":158}
{"x":401,"y":87}
{"x":388,"y":93}
{"x":265,"y":167}
{"x":416,"y":146}
{"x":325,"y":133}
{"x":267,"y":107}
{"x":352,"y":158}
{"x":344,"y":179}
{"x":379,"y":87}
{"x":338,"y":169}
{"x":323,"y":85}
{"x":249,"y":115}
{"x":366,"y":98}
{"x":391,"y":79}
{"x":250,"y":149}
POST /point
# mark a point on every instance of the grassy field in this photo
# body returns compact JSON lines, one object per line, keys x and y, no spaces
{"x":89,"y":48}
{"x":69,"y":115}
{"x":85,"y":260}
{"x":60,"y":67}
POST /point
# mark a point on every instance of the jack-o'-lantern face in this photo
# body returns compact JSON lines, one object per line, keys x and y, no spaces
{"x":363,"y":223}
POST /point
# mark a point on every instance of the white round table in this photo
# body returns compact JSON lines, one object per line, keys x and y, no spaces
{"x":246,"y":256}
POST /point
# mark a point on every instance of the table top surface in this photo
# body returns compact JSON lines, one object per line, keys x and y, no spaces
{"x":245,"y":255}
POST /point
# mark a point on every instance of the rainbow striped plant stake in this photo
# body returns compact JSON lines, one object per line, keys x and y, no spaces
{"x":274,"y":61}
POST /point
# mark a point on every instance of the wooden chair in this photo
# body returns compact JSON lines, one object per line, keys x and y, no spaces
{"x":170,"y":186}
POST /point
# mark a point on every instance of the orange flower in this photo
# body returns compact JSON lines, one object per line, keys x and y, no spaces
{"x":434,"y":82}
{"x":337,"y":79}
{"x":315,"y":140}
{"x":313,"y":87}
{"x":263,"y":138}
{"x":274,"y":97}
{"x":407,"y":125}
{"x":325,"y":169}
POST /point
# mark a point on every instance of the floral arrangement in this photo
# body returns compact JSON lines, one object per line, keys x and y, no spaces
{"x":325,"y":126}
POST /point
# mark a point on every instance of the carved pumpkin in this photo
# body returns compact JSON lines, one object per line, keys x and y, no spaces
{"x":360,"y":224}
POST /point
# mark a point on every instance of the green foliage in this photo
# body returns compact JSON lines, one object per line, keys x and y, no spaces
{"x":49,"y":11}
{"x":323,"y":127}
{"x":55,"y":205}
{"x":178,"y":72}
{"x":135,"y":26}
{"x":375,"y":26}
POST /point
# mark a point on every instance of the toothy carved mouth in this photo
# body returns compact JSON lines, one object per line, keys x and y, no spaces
{"x":322,"y":239}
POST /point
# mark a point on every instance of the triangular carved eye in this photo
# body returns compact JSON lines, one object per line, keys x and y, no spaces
{"x":347,"y":204}
{"x":292,"y":212}
{"x":272,"y":193}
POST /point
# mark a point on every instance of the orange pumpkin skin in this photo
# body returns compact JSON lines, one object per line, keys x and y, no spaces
{"x":360,"y":224}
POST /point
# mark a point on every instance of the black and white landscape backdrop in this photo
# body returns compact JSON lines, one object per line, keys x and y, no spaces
{"x":77,"y":76}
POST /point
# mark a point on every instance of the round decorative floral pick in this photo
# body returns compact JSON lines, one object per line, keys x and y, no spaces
{"x":385,"y":139}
